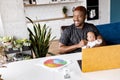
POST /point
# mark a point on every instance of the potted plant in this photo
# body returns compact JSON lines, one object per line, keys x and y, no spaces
{"x":7,"y":41}
{"x":40,"y":39}
{"x":20,"y":43}
{"x":64,"y":10}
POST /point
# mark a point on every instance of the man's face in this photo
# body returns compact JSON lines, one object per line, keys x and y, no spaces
{"x":78,"y":18}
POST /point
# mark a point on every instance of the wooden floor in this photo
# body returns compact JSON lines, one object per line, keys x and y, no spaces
{"x":54,"y":47}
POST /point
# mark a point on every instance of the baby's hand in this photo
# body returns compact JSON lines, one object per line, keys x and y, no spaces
{"x":87,"y":46}
{"x":99,"y":41}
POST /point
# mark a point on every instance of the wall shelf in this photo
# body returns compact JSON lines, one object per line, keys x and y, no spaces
{"x":30,"y":5}
{"x":52,"y":19}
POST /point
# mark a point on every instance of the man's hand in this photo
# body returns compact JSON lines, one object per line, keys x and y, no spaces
{"x":64,"y":49}
{"x":82,"y":43}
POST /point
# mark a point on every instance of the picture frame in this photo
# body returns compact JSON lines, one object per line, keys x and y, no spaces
{"x":92,"y":13}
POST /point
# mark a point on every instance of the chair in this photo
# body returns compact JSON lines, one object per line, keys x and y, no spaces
{"x":63,"y":28}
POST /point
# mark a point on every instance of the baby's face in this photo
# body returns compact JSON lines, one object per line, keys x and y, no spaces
{"x":90,"y":36}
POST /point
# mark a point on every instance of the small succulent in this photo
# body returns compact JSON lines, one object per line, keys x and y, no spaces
{"x":64,"y":9}
{"x":21,"y":42}
{"x":6,"y":39}
{"x":26,"y":42}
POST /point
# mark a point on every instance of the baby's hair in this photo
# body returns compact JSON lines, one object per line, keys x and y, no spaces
{"x":93,"y":33}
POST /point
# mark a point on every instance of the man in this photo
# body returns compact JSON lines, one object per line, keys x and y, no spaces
{"x":74,"y":37}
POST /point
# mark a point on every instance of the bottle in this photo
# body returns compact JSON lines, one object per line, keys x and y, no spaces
{"x":67,"y":74}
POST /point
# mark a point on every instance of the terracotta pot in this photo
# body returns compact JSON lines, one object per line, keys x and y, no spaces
{"x":65,"y":15}
{"x":2,"y":56}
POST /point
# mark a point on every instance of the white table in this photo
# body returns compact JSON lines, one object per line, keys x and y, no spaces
{"x":30,"y":70}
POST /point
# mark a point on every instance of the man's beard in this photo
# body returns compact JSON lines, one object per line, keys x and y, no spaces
{"x":80,"y":25}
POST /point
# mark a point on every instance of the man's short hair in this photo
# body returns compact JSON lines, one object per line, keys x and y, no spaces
{"x":80,"y":8}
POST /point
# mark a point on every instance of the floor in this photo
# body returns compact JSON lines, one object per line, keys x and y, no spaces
{"x":54,"y":47}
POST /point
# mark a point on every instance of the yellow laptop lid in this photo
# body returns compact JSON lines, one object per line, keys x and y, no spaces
{"x":101,"y":58}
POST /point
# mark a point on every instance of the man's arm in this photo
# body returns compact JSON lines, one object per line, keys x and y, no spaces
{"x":64,"y":49}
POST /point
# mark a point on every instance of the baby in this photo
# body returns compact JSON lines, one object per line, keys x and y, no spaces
{"x":92,"y":41}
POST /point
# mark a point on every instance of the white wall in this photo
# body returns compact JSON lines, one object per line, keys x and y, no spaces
{"x":12,"y":13}
{"x":13,"y":18}
{"x":1,"y":27}
{"x":42,"y":12}
{"x":105,"y":11}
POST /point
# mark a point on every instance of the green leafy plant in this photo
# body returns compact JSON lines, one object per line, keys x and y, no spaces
{"x":10,"y":42}
{"x":64,"y":9}
{"x":19,"y":43}
{"x":7,"y":41}
{"x":40,"y":39}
